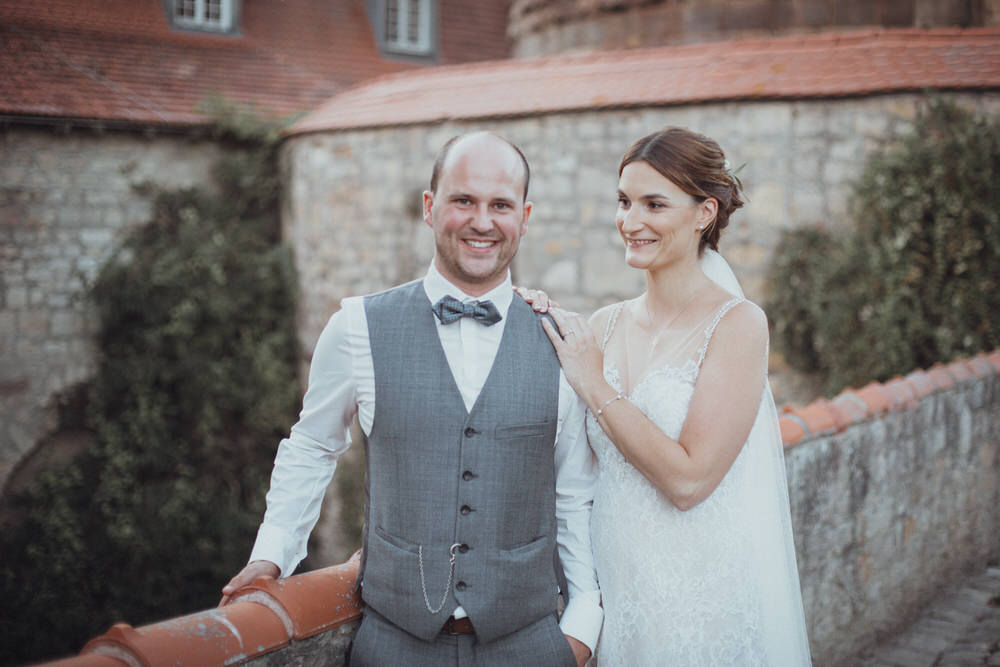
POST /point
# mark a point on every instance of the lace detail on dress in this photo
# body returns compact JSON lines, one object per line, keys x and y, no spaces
{"x":674,"y":583}
{"x":611,"y":323}
{"x":726,"y":307}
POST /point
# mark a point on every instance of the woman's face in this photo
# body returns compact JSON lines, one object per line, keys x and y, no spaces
{"x":657,"y":220}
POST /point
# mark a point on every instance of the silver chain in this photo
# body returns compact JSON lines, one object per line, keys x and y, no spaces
{"x":451,"y":573}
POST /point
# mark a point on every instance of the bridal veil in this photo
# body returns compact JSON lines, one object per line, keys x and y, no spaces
{"x":783,"y":620}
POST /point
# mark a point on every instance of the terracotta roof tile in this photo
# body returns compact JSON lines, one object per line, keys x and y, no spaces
{"x":120,"y":60}
{"x":87,"y":660}
{"x":792,"y":429}
{"x":960,"y":370}
{"x":312,"y":602}
{"x":941,"y":376}
{"x":855,"y":405}
{"x":782,"y":68}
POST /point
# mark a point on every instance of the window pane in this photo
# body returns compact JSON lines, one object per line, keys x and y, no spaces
{"x":413,"y":22}
{"x":392,"y":20}
{"x":185,"y":9}
{"x":213,"y":11}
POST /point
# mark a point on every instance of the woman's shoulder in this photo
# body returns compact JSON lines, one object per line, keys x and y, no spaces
{"x":741,"y":318}
{"x":600,"y":318}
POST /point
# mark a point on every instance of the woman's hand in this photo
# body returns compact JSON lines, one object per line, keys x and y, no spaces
{"x":536,"y":298}
{"x":581,"y":357}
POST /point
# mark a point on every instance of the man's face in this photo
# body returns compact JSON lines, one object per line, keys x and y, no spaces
{"x":478,"y":213}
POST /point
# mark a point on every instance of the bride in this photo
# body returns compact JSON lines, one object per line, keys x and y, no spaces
{"x":691,"y":527}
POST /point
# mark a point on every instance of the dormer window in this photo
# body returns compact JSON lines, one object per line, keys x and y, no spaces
{"x":211,"y":15}
{"x":407,"y":26}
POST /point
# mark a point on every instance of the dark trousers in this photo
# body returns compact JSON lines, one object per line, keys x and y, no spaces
{"x":380,"y":643}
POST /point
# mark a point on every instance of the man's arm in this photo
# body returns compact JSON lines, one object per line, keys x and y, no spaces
{"x":576,"y":477}
{"x":307,"y":458}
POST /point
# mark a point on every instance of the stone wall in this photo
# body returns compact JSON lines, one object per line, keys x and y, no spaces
{"x":353,"y":213}
{"x":889,"y":512}
{"x":894,"y":490}
{"x":549,"y":27}
{"x":65,"y":197}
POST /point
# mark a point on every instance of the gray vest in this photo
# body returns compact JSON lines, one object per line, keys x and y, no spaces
{"x":439,"y":476}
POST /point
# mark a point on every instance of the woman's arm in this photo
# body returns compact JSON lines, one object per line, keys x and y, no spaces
{"x":721,"y":413}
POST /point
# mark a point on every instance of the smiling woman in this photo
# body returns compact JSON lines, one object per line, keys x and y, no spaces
{"x":703,"y":489}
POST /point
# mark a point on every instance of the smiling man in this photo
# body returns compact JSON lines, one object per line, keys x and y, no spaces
{"x":478,"y":466}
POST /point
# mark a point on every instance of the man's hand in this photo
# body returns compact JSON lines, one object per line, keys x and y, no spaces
{"x":258,"y":568}
{"x":580,"y":651}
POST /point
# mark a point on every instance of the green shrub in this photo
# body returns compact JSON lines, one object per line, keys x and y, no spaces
{"x":916,"y":280}
{"x":195,"y":387}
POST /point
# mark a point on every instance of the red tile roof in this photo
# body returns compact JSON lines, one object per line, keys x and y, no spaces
{"x":120,"y":60}
{"x":782,"y":68}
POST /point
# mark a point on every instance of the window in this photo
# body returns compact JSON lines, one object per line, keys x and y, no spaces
{"x":215,"y":15}
{"x":407,"y":26}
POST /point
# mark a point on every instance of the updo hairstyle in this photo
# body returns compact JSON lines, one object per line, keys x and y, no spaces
{"x":697,"y":165}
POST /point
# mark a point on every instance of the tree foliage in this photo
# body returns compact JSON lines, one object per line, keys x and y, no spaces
{"x":915,"y":281}
{"x":196,"y":385}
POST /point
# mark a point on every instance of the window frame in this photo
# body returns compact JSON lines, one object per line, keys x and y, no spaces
{"x":424,"y":45}
{"x":225,"y":24}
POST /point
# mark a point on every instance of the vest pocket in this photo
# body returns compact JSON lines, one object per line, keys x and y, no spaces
{"x":521,"y":430}
{"x":396,"y":541}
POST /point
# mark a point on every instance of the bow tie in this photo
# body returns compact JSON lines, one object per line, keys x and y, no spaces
{"x":449,"y":309}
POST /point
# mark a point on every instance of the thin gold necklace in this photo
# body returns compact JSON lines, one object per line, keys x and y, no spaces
{"x":659,"y":334}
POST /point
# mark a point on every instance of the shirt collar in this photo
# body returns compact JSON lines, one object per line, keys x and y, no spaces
{"x":437,"y":286}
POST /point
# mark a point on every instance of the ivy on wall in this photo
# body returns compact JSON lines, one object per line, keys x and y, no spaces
{"x":915,"y":281}
{"x":196,"y":385}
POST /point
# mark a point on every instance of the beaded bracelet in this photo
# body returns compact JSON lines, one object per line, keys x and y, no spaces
{"x":608,"y":402}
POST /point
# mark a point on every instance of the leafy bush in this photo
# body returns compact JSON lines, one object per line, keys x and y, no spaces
{"x":916,"y":281}
{"x":195,"y":387}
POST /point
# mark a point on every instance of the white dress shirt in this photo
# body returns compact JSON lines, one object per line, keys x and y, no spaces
{"x":342,"y":384}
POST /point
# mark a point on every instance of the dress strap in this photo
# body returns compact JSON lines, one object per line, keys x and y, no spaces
{"x":617,"y":308}
{"x":719,"y":314}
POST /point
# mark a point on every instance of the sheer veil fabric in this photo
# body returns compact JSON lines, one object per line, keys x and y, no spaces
{"x":784,"y":628}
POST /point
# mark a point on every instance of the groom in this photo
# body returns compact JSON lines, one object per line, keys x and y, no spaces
{"x":478,"y":465}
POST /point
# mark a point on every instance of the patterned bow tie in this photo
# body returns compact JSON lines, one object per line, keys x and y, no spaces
{"x":449,"y":309}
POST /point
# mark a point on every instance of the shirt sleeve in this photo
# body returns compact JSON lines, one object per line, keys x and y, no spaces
{"x":576,"y":477}
{"x":307,"y":458}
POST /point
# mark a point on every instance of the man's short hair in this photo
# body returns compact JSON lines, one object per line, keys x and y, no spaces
{"x":443,"y":156}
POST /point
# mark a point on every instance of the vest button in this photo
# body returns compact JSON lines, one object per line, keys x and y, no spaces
{"x":469,"y":432}
{"x":467,"y":475}
{"x":462,"y":548}
{"x":465,"y":510}
{"x":460,"y":586}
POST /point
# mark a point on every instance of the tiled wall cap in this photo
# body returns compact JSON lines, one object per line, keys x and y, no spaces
{"x":818,"y":418}
{"x":212,"y":637}
{"x":960,"y":371}
{"x":994,"y":358}
{"x":849,"y":402}
{"x":314,"y":601}
{"x":87,"y":660}
{"x":793,"y":429}
{"x":941,"y":376}
{"x":921,"y":383}
{"x":875,"y":397}
{"x":901,"y":393}
{"x":981,"y":366}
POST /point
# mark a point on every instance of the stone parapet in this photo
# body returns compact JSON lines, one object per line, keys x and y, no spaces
{"x":895,"y":495}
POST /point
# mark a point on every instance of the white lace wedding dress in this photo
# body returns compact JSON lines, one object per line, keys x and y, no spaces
{"x":681,"y":588}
